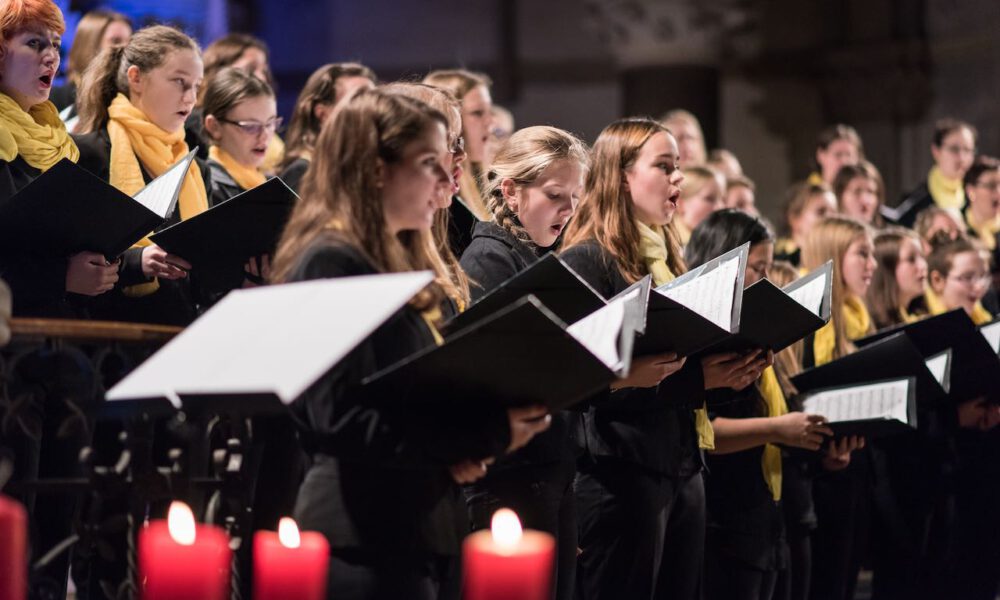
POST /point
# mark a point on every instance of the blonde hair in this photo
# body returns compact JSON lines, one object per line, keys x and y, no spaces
{"x":340,"y":192}
{"x":522,"y":159}
{"x":606,"y":214}
{"x":456,"y":285}
{"x":829,"y":240}
{"x":699,"y":176}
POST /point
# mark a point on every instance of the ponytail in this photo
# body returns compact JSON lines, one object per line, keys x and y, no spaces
{"x":99,"y":88}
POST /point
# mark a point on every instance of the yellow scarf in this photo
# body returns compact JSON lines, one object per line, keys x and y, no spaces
{"x":38,"y":136}
{"x":273,"y":156}
{"x":770,"y":461}
{"x":135,"y":139}
{"x":785,"y":246}
{"x":244,"y":176}
{"x":857,"y":324}
{"x":815,"y":179}
{"x":683,"y":233}
{"x":936,"y":306}
{"x":986,"y":232}
{"x":947,"y":193}
{"x":907,"y":316}
{"x":653,"y":249}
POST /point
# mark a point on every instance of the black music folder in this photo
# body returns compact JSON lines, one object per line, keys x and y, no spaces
{"x":698,"y":309}
{"x":873,"y":410}
{"x":550,"y":280}
{"x":890,"y":358}
{"x":975,"y":365}
{"x":520,"y":355}
{"x":219,"y":241}
{"x":67,"y":210}
{"x":774,"y":318}
{"x":299,"y":331}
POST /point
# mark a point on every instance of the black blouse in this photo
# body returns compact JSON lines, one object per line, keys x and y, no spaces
{"x":379,"y":480}
{"x":652,"y":427}
{"x":292,"y":174}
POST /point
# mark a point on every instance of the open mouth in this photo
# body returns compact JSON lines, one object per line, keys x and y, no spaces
{"x":557,"y":228}
{"x":259,"y":151}
{"x":46,"y":80}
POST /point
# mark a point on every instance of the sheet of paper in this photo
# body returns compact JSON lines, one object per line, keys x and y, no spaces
{"x":710,"y":294}
{"x":810,"y":295}
{"x":871,"y":401}
{"x":938,"y":366}
{"x":991,"y":331}
{"x":273,"y":339}
{"x":161,"y":193}
{"x":599,"y":330}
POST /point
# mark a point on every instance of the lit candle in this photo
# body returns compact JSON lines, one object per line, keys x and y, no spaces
{"x":289,"y":564}
{"x":13,"y":549}
{"x":181,"y":560}
{"x":507,"y":563}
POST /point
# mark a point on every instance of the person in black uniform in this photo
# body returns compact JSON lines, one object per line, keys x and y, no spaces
{"x":326,"y":87}
{"x":532,"y":189}
{"x":639,"y":491}
{"x":382,"y":484}
{"x":133,"y":132}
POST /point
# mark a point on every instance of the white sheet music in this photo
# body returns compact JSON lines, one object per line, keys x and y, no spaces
{"x":871,"y":401}
{"x":810,"y":295}
{"x":991,"y":331}
{"x":599,"y":330}
{"x":160,"y":194}
{"x":274,"y":339}
{"x":938,"y":366}
{"x":710,"y":294}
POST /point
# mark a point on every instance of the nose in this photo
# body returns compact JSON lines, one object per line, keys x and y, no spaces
{"x":677,"y":177}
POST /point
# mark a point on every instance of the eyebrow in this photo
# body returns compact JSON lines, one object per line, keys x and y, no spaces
{"x":666,"y":155}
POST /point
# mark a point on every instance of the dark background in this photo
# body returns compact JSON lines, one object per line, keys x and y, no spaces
{"x":764,"y":76}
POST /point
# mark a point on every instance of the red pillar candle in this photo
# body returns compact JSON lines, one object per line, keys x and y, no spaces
{"x":13,"y":550}
{"x":181,"y":560}
{"x":506,"y":563}
{"x":288,"y":565}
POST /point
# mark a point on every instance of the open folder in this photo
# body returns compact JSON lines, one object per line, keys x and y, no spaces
{"x":520,"y":355}
{"x":890,"y":358}
{"x":67,"y":209}
{"x":991,"y":331}
{"x":550,"y":280}
{"x":975,"y":365}
{"x":873,"y":410}
{"x":698,"y":309}
{"x":219,"y":241}
{"x":773,"y":318}
{"x":259,"y":348}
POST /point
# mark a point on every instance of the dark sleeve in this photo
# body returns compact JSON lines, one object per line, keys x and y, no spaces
{"x":293,"y":173}
{"x":95,"y":153}
{"x":8,"y":187}
{"x":488,"y":264}
{"x":130,"y":270}
{"x":592,"y":265}
{"x":35,"y":282}
{"x":684,"y":389}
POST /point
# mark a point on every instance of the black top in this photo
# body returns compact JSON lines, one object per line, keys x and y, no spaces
{"x":175,"y":302}
{"x":63,"y":96}
{"x":461,"y":223}
{"x":493,"y":257}
{"x":38,"y":285}
{"x":379,"y":480}
{"x":742,"y":515}
{"x":292,"y":174}
{"x":652,"y":427}
{"x":223,"y":186}
{"x":916,"y":201}
{"x":194,"y":133}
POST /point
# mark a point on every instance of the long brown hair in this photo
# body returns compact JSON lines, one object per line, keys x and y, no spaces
{"x":228,"y":49}
{"x":87,"y":41}
{"x":606,"y":214}
{"x":884,"y":302}
{"x":320,"y":88}
{"x":340,"y":192}
{"x":829,"y":240}
{"x":788,"y":362}
{"x":107,"y":76}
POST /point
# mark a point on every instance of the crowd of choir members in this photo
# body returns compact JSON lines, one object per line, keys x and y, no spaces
{"x":695,"y":476}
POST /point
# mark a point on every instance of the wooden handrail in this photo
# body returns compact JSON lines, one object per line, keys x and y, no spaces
{"x":91,"y":330}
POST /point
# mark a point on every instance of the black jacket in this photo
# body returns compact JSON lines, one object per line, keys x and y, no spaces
{"x":912,"y":203}
{"x":38,"y":285}
{"x":175,"y":302}
{"x":292,"y":174}
{"x":379,"y":480}
{"x":223,"y":186}
{"x":652,"y":427}
{"x":461,"y":223}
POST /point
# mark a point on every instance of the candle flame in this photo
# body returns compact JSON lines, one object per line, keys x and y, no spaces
{"x":288,"y":533}
{"x":506,"y":528}
{"x":180,"y":523}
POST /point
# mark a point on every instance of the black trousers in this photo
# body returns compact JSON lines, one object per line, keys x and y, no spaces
{"x":642,"y":534}
{"x":542,"y":496}
{"x":729,"y":579}
{"x":372,"y":576}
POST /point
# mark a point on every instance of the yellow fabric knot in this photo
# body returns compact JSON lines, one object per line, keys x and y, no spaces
{"x":244,"y":176}
{"x":38,"y":136}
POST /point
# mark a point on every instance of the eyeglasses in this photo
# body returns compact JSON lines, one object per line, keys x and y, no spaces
{"x":256,"y":128}
{"x":972,"y":279}
{"x":959,"y":150}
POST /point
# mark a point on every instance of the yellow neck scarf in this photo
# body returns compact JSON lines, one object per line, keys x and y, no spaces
{"x":244,"y":176}
{"x":653,"y":249}
{"x":815,"y":179}
{"x":38,"y":136}
{"x":986,"y":232}
{"x":947,"y":193}
{"x":273,"y":156}
{"x":907,"y":316}
{"x":683,"y":233}
{"x":785,"y":246}
{"x":770,"y":461}
{"x":857,"y":324}
{"x":936,"y":306}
